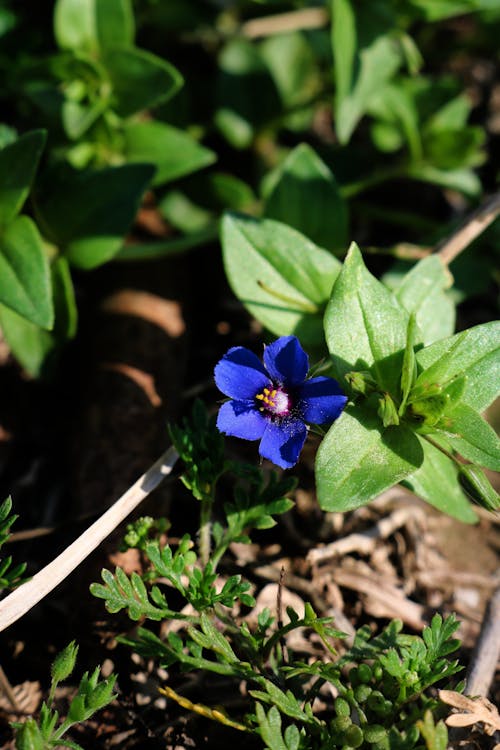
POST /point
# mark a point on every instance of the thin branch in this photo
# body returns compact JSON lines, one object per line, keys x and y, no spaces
{"x":448,"y":249}
{"x":281,"y":23}
{"x":8,"y":691}
{"x":26,"y":596}
{"x":485,"y":657}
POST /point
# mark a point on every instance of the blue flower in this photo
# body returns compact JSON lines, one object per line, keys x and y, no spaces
{"x":271,"y":402}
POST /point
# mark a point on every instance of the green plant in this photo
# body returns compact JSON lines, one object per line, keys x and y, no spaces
{"x":382,"y":683}
{"x":47,"y":731}
{"x":10,"y":577}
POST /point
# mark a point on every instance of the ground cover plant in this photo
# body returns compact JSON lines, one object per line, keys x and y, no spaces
{"x":262,"y":233}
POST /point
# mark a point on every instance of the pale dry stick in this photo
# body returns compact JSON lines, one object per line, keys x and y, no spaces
{"x":448,"y":249}
{"x":487,"y":652}
{"x":483,"y":662}
{"x":8,"y":691}
{"x":28,"y":594}
{"x":282,"y":23}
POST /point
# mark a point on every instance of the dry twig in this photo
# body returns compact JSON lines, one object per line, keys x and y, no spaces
{"x":282,"y":23}
{"x":473,"y":226}
{"x":26,"y":596}
{"x":487,"y":652}
{"x":365,"y":541}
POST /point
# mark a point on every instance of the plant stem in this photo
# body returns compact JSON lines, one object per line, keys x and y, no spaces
{"x":443,"y":450}
{"x":206,"y":525}
{"x":381,"y":175}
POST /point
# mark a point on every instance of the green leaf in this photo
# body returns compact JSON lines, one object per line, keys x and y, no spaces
{"x":173,"y":152}
{"x":365,"y":56}
{"x":66,"y":313}
{"x":409,"y":372}
{"x":114,"y":20}
{"x":473,"y":353}
{"x":281,"y":277}
{"x":29,"y":343}
{"x":440,"y":9}
{"x":29,"y":736}
{"x":436,"y":481}
{"x":287,"y":703}
{"x":140,"y":80}
{"x":467,"y":432}
{"x":34,"y":347}
{"x":305,"y":195}
{"x":91,"y":25}
{"x":246,"y":93}
{"x":365,"y":327}
{"x":18,"y":163}
{"x":25,"y":284}
{"x":395,"y":107}
{"x":463,"y":180}
{"x":78,"y":118}
{"x":270,"y":727}
{"x":358,"y":459}
{"x":107,"y":202}
{"x":295,"y":69}
{"x":422,"y":292}
{"x":435,"y":735}
{"x":74,"y":24}
{"x":477,"y":486}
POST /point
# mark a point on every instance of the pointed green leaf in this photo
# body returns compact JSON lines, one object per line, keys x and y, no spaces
{"x":114,"y":21}
{"x":139,"y":79}
{"x":25,"y":284}
{"x":66,"y":313}
{"x":409,"y":372}
{"x":437,"y":482}
{"x":30,"y":344}
{"x":74,"y":24}
{"x":422,"y":292}
{"x":173,"y":152}
{"x":365,"y":327}
{"x":478,"y":487}
{"x":358,"y":459}
{"x":107,"y":201}
{"x":18,"y":163}
{"x":472,"y":437}
{"x":270,"y":727}
{"x":365,"y":58}
{"x":475,"y":353}
{"x":304,"y":194}
{"x":246,"y":94}
{"x":282,"y":278}
{"x":92,"y":25}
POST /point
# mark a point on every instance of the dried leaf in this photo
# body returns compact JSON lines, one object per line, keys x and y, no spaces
{"x":477,"y":710}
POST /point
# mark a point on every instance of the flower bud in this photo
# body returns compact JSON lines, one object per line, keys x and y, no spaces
{"x":476,"y":484}
{"x":362,"y":382}
{"x":387,"y":411}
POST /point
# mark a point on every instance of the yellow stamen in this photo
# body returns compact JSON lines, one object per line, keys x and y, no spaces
{"x":266,"y":396}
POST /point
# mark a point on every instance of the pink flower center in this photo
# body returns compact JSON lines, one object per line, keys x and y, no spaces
{"x":274,"y":401}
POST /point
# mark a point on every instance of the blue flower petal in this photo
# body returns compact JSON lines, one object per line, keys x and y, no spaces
{"x":282,"y":443}
{"x":241,"y":419}
{"x":286,"y":361}
{"x":320,"y":400}
{"x":240,"y":374}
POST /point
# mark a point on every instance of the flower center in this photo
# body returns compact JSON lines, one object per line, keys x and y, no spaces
{"x":274,"y":401}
